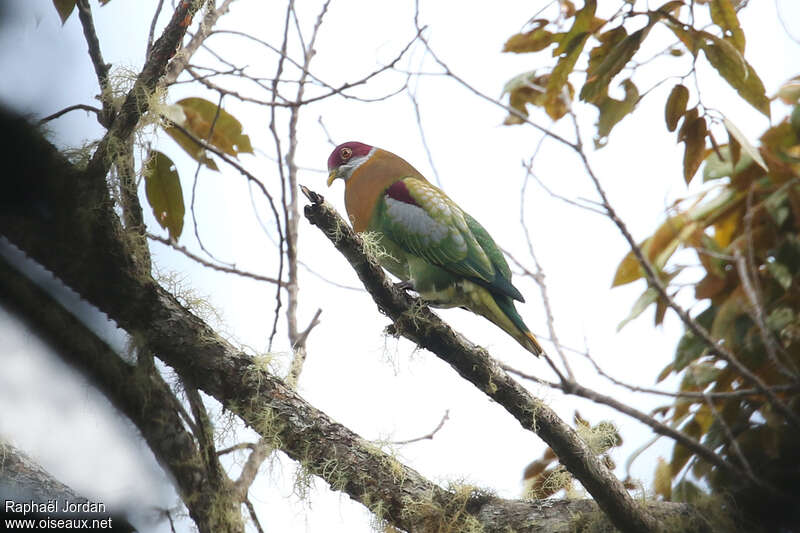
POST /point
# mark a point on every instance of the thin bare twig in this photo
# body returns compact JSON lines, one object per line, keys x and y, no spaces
{"x":66,"y":110}
{"x":236,"y":448}
{"x":220,"y":268}
{"x":538,"y":276}
{"x":101,"y":68}
{"x":422,"y":137}
{"x":253,"y":515}
{"x":428,"y":436}
{"x":151,"y":33}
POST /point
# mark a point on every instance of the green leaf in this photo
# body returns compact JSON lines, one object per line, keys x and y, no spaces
{"x":780,"y":273}
{"x":732,"y":66}
{"x":699,"y":376}
{"x":777,"y":207}
{"x":724,"y":15}
{"x":666,"y":371}
{"x":164,"y":193}
{"x":568,"y":51}
{"x":780,"y":317}
{"x":64,"y":8}
{"x":597,"y":82}
{"x":649,"y":296}
{"x":676,"y":106}
{"x":745,"y":145}
{"x":608,"y":42}
{"x":687,"y":492}
{"x":789,"y":93}
{"x":612,"y":111}
{"x":724,"y":326}
{"x":716,"y":168}
{"x":680,"y":455}
{"x":690,"y":347}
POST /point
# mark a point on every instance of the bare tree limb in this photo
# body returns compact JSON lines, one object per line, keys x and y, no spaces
{"x":84,"y":107}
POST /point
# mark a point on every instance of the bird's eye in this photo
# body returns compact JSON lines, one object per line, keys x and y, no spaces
{"x":346,"y":153}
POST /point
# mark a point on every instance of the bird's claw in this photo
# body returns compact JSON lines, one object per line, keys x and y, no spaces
{"x":404,"y":285}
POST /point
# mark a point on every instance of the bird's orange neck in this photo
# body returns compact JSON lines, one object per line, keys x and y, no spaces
{"x":368,"y":182}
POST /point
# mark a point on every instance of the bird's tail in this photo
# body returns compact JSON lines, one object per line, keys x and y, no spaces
{"x":500,"y":309}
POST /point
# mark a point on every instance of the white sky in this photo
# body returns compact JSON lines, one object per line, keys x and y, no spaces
{"x":379,"y":387}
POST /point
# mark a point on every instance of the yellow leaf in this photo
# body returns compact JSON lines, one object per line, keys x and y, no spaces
{"x":628,"y":270}
{"x":725,"y":228}
{"x":662,"y":481}
{"x":664,"y":237}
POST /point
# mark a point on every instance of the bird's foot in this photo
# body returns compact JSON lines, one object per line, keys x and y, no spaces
{"x":404,"y":285}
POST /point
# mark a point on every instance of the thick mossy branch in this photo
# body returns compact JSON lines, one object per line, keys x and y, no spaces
{"x":137,"y":391}
{"x":475,"y":365}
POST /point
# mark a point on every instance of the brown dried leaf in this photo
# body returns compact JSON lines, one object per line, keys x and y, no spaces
{"x":531,"y":41}
{"x":695,"y":139}
{"x":676,"y":106}
{"x":64,"y":8}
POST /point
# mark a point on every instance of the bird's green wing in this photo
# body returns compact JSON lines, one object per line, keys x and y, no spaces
{"x":502,"y":277}
{"x":425,"y":222}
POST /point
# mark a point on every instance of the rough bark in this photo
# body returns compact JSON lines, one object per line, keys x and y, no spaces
{"x":138,"y":391}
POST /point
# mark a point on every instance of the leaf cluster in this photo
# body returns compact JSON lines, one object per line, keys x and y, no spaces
{"x":744,"y":228}
{"x":611,"y":50}
{"x":746,"y":234}
{"x":189,"y":121}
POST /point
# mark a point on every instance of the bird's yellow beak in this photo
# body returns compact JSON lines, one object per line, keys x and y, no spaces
{"x":331,"y":177}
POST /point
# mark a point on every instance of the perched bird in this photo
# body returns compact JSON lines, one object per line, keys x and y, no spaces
{"x":431,"y":244}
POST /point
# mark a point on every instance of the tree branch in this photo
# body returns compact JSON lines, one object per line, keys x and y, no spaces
{"x":127,"y":387}
{"x":475,"y":365}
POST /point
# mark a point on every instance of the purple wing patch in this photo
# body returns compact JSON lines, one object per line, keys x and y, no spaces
{"x":398,"y":191}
